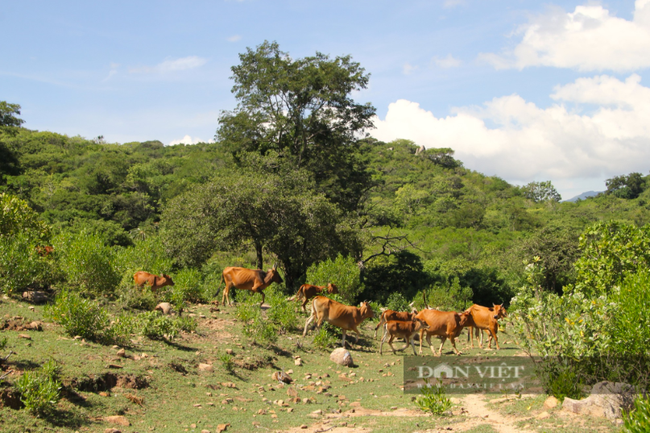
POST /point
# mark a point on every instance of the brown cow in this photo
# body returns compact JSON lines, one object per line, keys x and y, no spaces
{"x":342,"y":316}
{"x":255,"y":280}
{"x":486,"y":318}
{"x":446,"y":324}
{"x":156,"y":282}
{"x":308,"y":291}
{"x":402,"y":329}
{"x":388,"y":315}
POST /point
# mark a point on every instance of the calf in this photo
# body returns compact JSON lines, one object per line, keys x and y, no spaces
{"x":388,"y":315}
{"x":485,"y":318}
{"x":156,"y":282}
{"x":446,"y":324}
{"x":255,"y":280}
{"x":342,"y":316}
{"x":402,"y":329}
{"x":308,"y":291}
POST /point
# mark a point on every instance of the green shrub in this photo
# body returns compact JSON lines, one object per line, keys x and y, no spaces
{"x":630,"y":326}
{"x":433,"y":399}
{"x":281,"y":312}
{"x":157,"y":327}
{"x":560,"y":379}
{"x":39,"y":390}
{"x":79,"y":316}
{"x":188,"y":287}
{"x":20,"y":265}
{"x":256,"y":327}
{"x":343,"y":272}
{"x":638,"y":419}
{"x":227,"y":362}
{"x":86,"y":262}
{"x":327,"y":337}
{"x":397,"y":302}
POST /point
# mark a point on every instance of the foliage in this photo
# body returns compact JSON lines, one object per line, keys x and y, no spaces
{"x":302,"y":110}
{"x":402,"y":272}
{"x":342,"y":271}
{"x":327,"y":336}
{"x":630,"y":326}
{"x":188,"y":287}
{"x":397,"y":302}
{"x":17,"y":217}
{"x":8,"y":119}
{"x":626,"y":187}
{"x":256,"y":327}
{"x":40,"y":390}
{"x":541,"y":192}
{"x":87,"y":263}
{"x":21,"y":267}
{"x":155,"y":326}
{"x":281,"y":312}
{"x":79,"y":316}
{"x":638,"y":419}
{"x":227,"y":362}
{"x":433,"y":399}
{"x":609,"y":252}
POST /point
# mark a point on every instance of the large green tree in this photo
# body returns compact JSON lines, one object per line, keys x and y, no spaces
{"x":302,"y":110}
{"x":276,"y":214}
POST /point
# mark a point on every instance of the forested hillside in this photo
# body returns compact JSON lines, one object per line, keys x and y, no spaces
{"x":289,"y":180}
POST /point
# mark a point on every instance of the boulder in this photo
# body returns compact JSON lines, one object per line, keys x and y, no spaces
{"x":342,"y":357}
{"x":164,"y":307}
{"x":117,"y":419}
{"x":606,"y":400}
{"x":35,"y":296}
{"x":550,"y":403}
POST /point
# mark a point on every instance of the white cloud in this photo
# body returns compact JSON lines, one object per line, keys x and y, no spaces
{"x":587,"y":39}
{"x":525,"y":142}
{"x":172,"y":65}
{"x":113,"y":71}
{"x":453,"y":3}
{"x":186,"y":140}
{"x":234,"y":38}
{"x":408,"y":68}
{"x":447,"y":62}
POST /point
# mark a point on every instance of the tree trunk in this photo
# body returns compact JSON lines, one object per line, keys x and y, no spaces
{"x":260,"y":258}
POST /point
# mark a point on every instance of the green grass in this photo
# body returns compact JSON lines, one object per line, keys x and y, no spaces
{"x":176,"y":385}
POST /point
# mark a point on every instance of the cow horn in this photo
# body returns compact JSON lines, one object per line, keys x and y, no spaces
{"x":275,"y":266}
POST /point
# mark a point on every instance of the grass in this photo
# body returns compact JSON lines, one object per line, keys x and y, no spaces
{"x":180,"y":396}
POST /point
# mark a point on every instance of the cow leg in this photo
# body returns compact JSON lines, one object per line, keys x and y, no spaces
{"x":390,"y":343}
{"x":412,"y":345}
{"x":343,"y":340}
{"x":381,"y":322}
{"x":382,"y":344}
{"x":431,"y":345}
{"x":453,"y":343}
{"x":225,"y":298}
{"x":421,"y":338}
{"x":263,"y":297}
{"x":303,"y":305}
{"x":444,"y":338}
{"x":493,"y":331}
{"x":308,"y":322}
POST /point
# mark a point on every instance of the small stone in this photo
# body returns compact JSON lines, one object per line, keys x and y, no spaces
{"x":229,"y":351}
{"x":25,"y":336}
{"x":543,"y":415}
{"x":121,"y":353}
{"x":317,"y":412}
{"x":551,"y":402}
{"x":117,"y":419}
{"x":205,"y":367}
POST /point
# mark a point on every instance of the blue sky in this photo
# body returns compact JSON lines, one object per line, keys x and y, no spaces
{"x":519,"y":89}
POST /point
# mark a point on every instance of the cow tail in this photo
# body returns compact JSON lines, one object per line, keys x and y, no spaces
{"x":300,"y":294}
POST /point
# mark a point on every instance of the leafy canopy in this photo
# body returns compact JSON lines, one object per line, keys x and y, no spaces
{"x":301,"y":109}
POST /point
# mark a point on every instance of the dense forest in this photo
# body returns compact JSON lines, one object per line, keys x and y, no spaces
{"x":291,"y":178}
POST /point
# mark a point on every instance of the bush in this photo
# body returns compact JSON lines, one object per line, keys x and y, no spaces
{"x":256,"y":327}
{"x":79,"y":316}
{"x":638,"y":419}
{"x":227,"y":362}
{"x":86,"y":262}
{"x":433,"y":399}
{"x":158,"y":327}
{"x":343,"y":272}
{"x":188,"y":287}
{"x":281,"y":312}
{"x":327,"y":336}
{"x":20,"y":265}
{"x":39,"y":390}
{"x":397,"y":302}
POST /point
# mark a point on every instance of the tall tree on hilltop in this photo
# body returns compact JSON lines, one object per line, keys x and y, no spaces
{"x":302,"y":110}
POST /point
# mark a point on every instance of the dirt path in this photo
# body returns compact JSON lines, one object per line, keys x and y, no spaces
{"x":479,"y":413}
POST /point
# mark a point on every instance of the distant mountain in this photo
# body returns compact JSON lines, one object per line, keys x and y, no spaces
{"x":584,"y":195}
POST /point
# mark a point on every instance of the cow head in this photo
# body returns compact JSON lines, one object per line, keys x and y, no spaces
{"x":499,"y":311}
{"x":168,"y":279}
{"x":332,"y":289}
{"x":464,"y":318}
{"x":421,"y":324}
{"x":366,"y":311}
{"x":274,"y":275}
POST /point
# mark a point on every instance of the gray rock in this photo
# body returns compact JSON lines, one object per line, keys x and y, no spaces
{"x":606,"y":400}
{"x":342,"y":357}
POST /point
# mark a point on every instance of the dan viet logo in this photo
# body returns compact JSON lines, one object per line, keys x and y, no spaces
{"x":489,"y":375}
